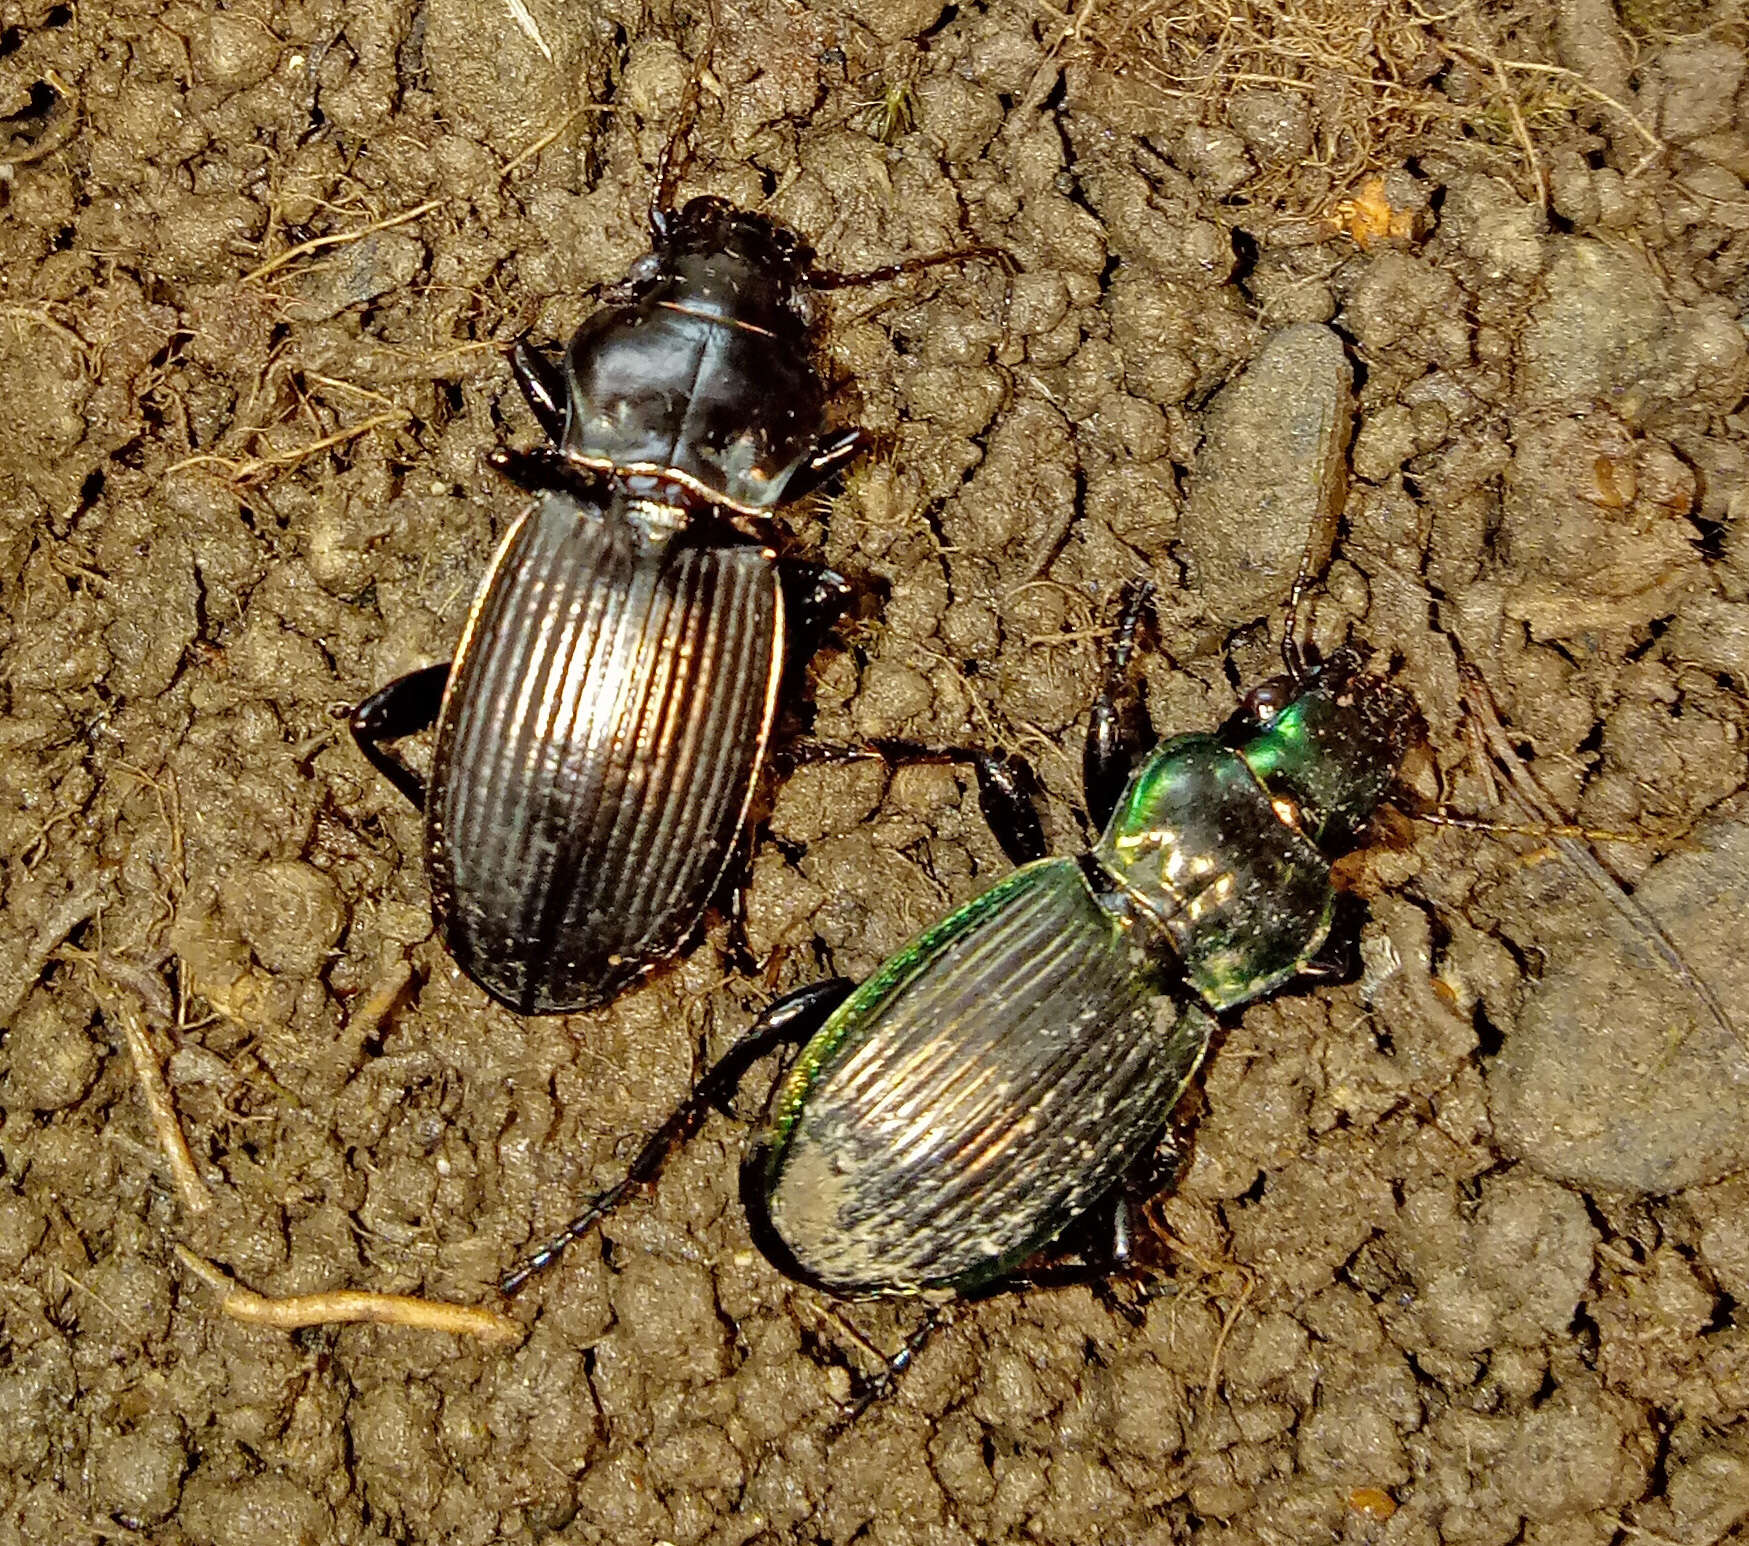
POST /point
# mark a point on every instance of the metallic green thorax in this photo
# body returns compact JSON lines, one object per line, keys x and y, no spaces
{"x":1217,"y":844}
{"x":1333,"y":751}
{"x":1197,"y":850}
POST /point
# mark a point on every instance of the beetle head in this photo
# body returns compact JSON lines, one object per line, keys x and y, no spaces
{"x":1330,"y":747}
{"x":713,"y":227}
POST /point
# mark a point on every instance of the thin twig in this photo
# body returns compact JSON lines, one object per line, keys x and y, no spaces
{"x":1228,"y":1322}
{"x":1044,"y":78}
{"x":347,"y":1306}
{"x":161,"y":1108}
{"x":317,"y":243}
{"x":247,"y":467}
{"x":524,"y":19}
{"x":41,"y":315}
{"x":1521,"y":132}
{"x":1526,"y":829}
{"x":1560,"y":72}
{"x":552,"y":134}
{"x":1616,"y":1522}
{"x":74,"y":911}
{"x":352,"y":387}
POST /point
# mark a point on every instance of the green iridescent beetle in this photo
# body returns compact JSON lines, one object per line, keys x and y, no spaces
{"x":1013,"y":1067}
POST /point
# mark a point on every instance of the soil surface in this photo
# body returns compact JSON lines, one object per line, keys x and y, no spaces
{"x":1461,"y":1248}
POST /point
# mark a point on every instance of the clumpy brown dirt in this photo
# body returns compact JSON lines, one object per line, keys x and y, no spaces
{"x":1462,"y":1248}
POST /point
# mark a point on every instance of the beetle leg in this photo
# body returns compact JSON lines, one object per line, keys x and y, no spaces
{"x":405,"y":706}
{"x":1006,"y":784}
{"x":543,"y":384}
{"x":668,"y":169}
{"x":546,"y":470}
{"x":1102,"y":1240}
{"x":815,"y":597}
{"x":1338,"y":958}
{"x":830,"y":455}
{"x":1118,"y":730}
{"x":731,"y":902}
{"x":791,"y":1018}
{"x":879,"y":1386}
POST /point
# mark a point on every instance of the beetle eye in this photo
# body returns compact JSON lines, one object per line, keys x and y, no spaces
{"x":1267,"y":699}
{"x":645,"y":269}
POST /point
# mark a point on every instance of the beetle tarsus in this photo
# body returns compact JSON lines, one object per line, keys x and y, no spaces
{"x":669,"y":168}
{"x":1338,"y":958}
{"x":403,"y":707}
{"x":1007,"y":786}
{"x":1118,"y":731}
{"x":879,"y":1386}
{"x":1293,"y":658}
{"x":790,"y":1019}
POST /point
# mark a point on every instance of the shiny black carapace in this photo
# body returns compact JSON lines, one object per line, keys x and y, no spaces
{"x":609,"y":712}
{"x":599,"y":736}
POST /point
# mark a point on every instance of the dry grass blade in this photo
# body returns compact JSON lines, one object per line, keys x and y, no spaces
{"x":340,"y":238}
{"x":1374,"y":69}
{"x":245,"y":469}
{"x":530,"y":28}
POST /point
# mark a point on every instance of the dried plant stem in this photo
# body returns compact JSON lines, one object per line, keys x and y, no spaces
{"x":246,"y":467}
{"x":346,"y":1306}
{"x":317,"y":243}
{"x":162,"y":1110}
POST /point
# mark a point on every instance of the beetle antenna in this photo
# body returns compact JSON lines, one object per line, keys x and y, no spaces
{"x":833,"y":279}
{"x":1117,"y":725}
{"x":673,"y":162}
{"x":1292,"y":656}
{"x":1530,"y":796}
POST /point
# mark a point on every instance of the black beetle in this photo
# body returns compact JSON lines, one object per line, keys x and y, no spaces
{"x":696,"y":381}
{"x":1015,"y":1065}
{"x":604,"y":725}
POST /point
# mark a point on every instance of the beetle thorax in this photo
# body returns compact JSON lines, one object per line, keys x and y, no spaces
{"x":1200,"y":851}
{"x":733,"y":288}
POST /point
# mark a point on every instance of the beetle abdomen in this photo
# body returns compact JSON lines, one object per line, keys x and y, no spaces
{"x":605,"y":724}
{"x":964,"y":1105}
